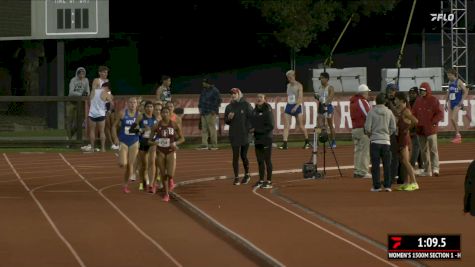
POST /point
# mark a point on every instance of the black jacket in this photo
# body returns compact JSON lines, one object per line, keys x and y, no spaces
{"x":469,"y":198}
{"x":240,"y":125}
{"x":263,"y":123}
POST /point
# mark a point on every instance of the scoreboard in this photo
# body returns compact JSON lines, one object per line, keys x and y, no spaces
{"x":53,"y":19}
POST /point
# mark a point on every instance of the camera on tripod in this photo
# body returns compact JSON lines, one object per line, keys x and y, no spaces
{"x":309,"y":169}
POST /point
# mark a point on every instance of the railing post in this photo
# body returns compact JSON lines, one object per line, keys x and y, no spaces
{"x":79,"y":118}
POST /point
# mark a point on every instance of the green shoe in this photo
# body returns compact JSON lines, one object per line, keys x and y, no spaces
{"x":141,"y":187}
{"x":403,"y":187}
{"x":412,"y":187}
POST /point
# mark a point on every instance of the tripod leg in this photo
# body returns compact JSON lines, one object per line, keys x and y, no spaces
{"x":324,"y":157}
{"x":338,"y":165}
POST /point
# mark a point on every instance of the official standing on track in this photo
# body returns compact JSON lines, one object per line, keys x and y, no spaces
{"x":237,"y":115}
{"x":262,"y":126}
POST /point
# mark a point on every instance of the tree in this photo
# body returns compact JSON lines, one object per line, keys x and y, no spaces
{"x":298,"y":22}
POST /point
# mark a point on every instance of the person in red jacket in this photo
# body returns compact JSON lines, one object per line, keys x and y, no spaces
{"x":359,"y":108}
{"x":428,"y":112}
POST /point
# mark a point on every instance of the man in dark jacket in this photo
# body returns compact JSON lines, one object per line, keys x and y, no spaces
{"x":237,"y":115}
{"x":428,"y":112}
{"x":262,"y":124}
{"x":469,"y":198}
{"x":209,"y":103}
{"x":359,"y":108}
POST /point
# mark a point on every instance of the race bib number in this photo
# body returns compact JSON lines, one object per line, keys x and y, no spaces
{"x":452,"y":96}
{"x":127,"y":131}
{"x":147,"y":133}
{"x":291,"y":99}
{"x":163,"y":142}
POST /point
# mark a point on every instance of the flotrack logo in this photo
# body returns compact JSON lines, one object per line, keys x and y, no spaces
{"x":442,"y":17}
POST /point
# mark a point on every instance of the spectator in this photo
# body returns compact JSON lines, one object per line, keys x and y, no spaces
{"x":237,"y":115}
{"x":97,"y":116}
{"x":209,"y":103}
{"x":325,"y":95}
{"x":428,"y":112}
{"x":359,"y":108}
{"x":469,"y":198}
{"x":294,"y":108}
{"x":380,"y":125}
{"x":78,"y":86}
{"x":163,"y":92}
{"x":262,"y":125}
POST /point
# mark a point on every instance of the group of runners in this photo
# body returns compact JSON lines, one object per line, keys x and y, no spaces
{"x":145,"y":133}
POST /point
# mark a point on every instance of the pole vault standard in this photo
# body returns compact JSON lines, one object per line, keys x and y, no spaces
{"x":403,"y":45}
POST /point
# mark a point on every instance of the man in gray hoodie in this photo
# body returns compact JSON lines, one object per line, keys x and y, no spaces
{"x":380,"y":124}
{"x":78,"y":86}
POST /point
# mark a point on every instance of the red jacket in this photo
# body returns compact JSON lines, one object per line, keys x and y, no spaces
{"x":359,"y":108}
{"x":428,"y":112}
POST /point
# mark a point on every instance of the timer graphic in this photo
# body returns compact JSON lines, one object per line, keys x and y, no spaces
{"x":425,"y":246}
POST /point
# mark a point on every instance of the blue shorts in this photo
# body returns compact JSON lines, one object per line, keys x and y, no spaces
{"x":329,"y":109}
{"x":454,"y":103}
{"x":289,"y":107}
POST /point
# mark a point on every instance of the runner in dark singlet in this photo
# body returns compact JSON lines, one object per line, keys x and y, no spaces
{"x":147,"y":152}
{"x":167,"y":136}
{"x":405,"y":122}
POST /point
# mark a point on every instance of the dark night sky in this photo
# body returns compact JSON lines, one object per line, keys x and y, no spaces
{"x":196,"y":37}
{"x":189,"y":38}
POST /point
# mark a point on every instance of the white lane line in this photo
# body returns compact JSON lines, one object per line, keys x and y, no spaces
{"x":48,"y":218}
{"x":247,"y":243}
{"x":9,"y":197}
{"x":323,"y":229}
{"x":67,"y":191}
{"x":135,"y":226}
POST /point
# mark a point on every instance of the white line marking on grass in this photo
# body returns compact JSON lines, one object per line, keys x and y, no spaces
{"x":48,"y":218}
{"x":135,"y":226}
{"x":323,"y":228}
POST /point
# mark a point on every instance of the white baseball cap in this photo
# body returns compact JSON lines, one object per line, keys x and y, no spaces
{"x":363,"y":88}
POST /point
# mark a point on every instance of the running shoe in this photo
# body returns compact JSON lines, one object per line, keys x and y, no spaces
{"x":126,"y":189}
{"x":160,"y":185}
{"x":171,"y":185}
{"x":424,"y":173}
{"x":88,"y":149}
{"x":403,"y":187}
{"x":141,"y":187}
{"x":375,"y":189}
{"x":284,"y":146}
{"x":267,"y":185}
{"x":236,"y":181}
{"x":457,"y":139}
{"x":166,"y":198}
{"x":133,"y":177}
{"x":114,"y":147}
{"x":307,"y":145}
{"x":387,"y":189}
{"x":412,"y":187}
{"x":333,"y":144}
{"x":246,"y":178}
{"x":259,"y":183}
{"x":202,"y":147}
